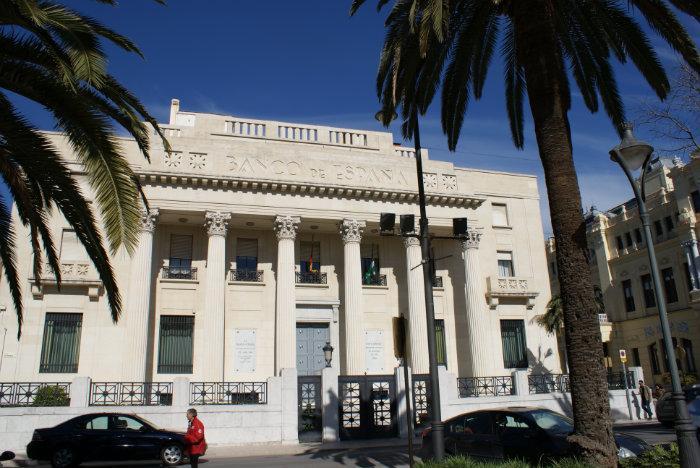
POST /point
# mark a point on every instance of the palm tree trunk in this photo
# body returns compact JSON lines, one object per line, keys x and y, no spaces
{"x":546,"y":87}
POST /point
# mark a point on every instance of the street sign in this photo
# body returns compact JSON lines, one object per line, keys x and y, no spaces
{"x":623,"y":355}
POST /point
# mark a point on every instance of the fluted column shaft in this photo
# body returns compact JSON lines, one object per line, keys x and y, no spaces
{"x":417,"y":322}
{"x":353,"y":323}
{"x":214,"y":314}
{"x":690,"y":260}
{"x":138,"y":301}
{"x":477,"y":319}
{"x":285,"y":320}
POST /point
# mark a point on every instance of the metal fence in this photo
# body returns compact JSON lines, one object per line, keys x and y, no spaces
{"x":228,"y":393}
{"x":374,"y":280}
{"x":189,"y":273}
{"x":24,"y":394}
{"x":485,"y":386}
{"x":548,"y":383}
{"x":251,"y":276}
{"x":616,"y":380}
{"x":131,"y":394}
{"x":309,"y":277}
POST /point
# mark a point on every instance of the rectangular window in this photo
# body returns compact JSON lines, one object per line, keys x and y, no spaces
{"x":669,"y":285}
{"x":369,"y":263}
{"x":246,"y":254}
{"x":61,"y":346}
{"x":72,"y":249}
{"x":175,"y":344}
{"x":648,"y":288}
{"x":180,"y":262}
{"x":695,"y":200}
{"x":668,"y":221}
{"x":689,"y":359}
{"x":505,"y":264}
{"x":658,"y":230}
{"x":620,"y":244}
{"x":514,"y":347}
{"x":635,"y":357}
{"x":440,"y":342}
{"x":628,"y":295}
{"x":638,"y":236}
{"x":309,"y":256}
{"x":628,"y":239}
{"x":500,"y":214}
{"x":654,"y":358}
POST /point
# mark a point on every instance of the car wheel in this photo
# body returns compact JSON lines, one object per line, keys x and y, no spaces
{"x":64,"y":457}
{"x":171,"y":455}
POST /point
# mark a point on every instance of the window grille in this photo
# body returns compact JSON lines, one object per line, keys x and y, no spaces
{"x":175,"y":344}
{"x":61,"y":345}
{"x":513,"y":341}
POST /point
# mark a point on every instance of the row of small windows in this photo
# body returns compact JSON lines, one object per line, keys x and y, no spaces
{"x":685,"y":361}
{"x":669,"y":284}
{"x":661,"y":228}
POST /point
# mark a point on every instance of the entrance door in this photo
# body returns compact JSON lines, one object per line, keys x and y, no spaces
{"x":367,"y":406}
{"x":311,"y":338}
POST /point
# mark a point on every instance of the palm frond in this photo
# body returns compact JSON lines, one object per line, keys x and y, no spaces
{"x":514,"y":85}
{"x":9,"y":262}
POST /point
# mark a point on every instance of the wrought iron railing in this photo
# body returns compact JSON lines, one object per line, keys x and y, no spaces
{"x":374,"y":280}
{"x":421,"y":400}
{"x":252,"y":276}
{"x":131,"y":394}
{"x":616,"y":380}
{"x":189,"y":273}
{"x":485,"y":386}
{"x":311,"y":277}
{"x":228,"y":393}
{"x":548,"y":383}
{"x":437,"y":282}
{"x":24,"y":394}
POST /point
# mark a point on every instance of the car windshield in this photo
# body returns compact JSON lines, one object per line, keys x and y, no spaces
{"x":145,"y":421}
{"x":552,"y":422}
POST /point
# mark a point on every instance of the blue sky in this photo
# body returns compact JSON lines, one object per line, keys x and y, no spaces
{"x":310,"y":62}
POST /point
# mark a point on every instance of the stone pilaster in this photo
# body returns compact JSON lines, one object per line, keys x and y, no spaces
{"x":477,"y":319}
{"x":417,"y":321}
{"x":138,"y":301}
{"x":211,"y":362}
{"x":285,"y":319}
{"x":353,"y":323}
{"x":690,"y":248}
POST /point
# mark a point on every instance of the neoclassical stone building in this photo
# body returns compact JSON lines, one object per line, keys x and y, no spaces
{"x":261,"y":245}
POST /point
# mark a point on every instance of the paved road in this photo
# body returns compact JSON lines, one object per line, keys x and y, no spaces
{"x":389,"y":457}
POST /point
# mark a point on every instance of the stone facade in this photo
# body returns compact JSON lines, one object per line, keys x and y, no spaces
{"x":619,"y":267}
{"x":293,"y":191}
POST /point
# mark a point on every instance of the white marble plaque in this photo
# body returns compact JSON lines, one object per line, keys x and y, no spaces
{"x":374,"y":350}
{"x":244,"y":350}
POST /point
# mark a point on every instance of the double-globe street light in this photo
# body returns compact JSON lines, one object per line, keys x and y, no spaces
{"x":632,"y":155}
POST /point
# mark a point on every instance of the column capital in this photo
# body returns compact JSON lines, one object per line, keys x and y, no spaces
{"x":351,"y":230}
{"x":286,"y":227}
{"x":411,"y":242}
{"x":471,"y":240}
{"x":148,"y":219}
{"x":217,"y":222}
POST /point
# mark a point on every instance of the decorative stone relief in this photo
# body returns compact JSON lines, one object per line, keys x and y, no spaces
{"x":148,"y":219}
{"x":286,"y":227}
{"x":471,"y":241}
{"x":351,"y":230}
{"x":173,"y":159}
{"x":686,"y":217}
{"x":430,"y":180}
{"x":197,"y":160}
{"x":449,"y":182}
{"x":217,"y":222}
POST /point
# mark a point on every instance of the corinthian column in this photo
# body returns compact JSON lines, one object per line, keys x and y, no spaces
{"x":477,"y":320}
{"x":285,"y":321}
{"x":138,"y":301}
{"x":211,"y":356}
{"x":417,"y":322}
{"x":353,"y":324}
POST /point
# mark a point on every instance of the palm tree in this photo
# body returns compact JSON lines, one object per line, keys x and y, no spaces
{"x":449,"y":44}
{"x":553,"y":318}
{"x":53,"y":56}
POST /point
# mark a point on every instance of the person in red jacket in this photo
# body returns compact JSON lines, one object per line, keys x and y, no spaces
{"x":196,"y":444}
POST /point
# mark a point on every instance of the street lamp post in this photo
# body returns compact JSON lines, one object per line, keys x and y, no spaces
{"x":632,"y":155}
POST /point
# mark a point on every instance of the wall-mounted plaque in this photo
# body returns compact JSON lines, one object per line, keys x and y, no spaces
{"x":374,"y":350}
{"x":244,"y":350}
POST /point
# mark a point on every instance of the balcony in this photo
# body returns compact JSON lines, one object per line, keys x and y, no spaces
{"x":77,"y":273}
{"x":311,"y":277}
{"x":374,"y":280}
{"x":512,"y":287}
{"x":179,"y":273}
{"x":247,"y":276}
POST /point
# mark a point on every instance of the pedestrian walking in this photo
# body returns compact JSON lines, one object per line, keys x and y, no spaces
{"x":646,"y":395}
{"x":658,"y":391}
{"x":196,"y":443}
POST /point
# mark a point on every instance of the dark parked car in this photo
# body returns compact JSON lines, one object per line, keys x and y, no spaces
{"x":520,"y":432}
{"x":106,"y":437}
{"x":666,"y":412}
{"x":5,"y":456}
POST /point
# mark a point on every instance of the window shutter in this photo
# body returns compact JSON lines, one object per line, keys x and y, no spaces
{"x":181,"y":246}
{"x":504,"y":256}
{"x":369,"y":251}
{"x":247,"y":248}
{"x":71,"y":248}
{"x":306,"y":248}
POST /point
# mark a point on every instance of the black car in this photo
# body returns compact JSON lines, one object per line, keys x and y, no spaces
{"x":106,"y":437}
{"x":527,"y":433}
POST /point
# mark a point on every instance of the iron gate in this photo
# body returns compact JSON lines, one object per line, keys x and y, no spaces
{"x":421,"y":401}
{"x":367,"y":406}
{"x":310,"y":418}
